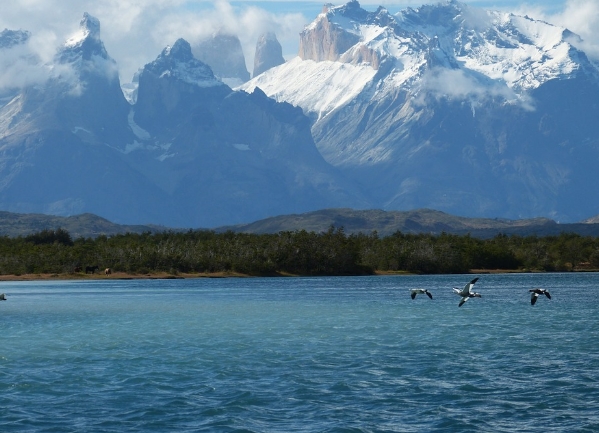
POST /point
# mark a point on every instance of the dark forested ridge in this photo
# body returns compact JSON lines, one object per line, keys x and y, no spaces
{"x":300,"y":252}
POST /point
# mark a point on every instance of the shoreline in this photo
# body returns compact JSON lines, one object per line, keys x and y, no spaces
{"x":169,"y":276}
{"x":120,"y":276}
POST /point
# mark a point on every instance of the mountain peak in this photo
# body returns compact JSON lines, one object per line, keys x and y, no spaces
{"x":178,"y":62}
{"x":85,"y":43}
{"x":352,"y":9}
{"x":89,"y":28}
{"x":181,"y":50}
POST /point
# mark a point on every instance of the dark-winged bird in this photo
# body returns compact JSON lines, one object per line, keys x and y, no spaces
{"x":534,"y":295}
{"x":415,"y":292}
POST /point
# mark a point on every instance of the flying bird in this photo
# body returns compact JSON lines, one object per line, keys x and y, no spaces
{"x":466,"y":292}
{"x":415,"y":292}
{"x":2,"y":297}
{"x":534,"y":295}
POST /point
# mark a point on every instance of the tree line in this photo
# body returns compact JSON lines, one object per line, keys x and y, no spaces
{"x":293,"y":252}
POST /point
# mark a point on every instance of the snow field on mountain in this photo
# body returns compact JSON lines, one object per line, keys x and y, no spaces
{"x":317,"y":87}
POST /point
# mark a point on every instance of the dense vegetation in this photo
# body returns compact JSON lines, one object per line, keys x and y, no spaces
{"x":298,"y":252}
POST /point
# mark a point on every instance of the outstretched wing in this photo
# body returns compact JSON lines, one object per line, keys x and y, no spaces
{"x":429,"y":294}
{"x":468,"y":287}
{"x":533,"y":298}
{"x":547,"y":294}
{"x":413,"y":294}
{"x":464,"y":299}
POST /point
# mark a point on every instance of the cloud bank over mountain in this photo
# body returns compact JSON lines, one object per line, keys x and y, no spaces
{"x":134,"y":31}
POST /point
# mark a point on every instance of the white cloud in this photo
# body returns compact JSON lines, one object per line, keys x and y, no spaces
{"x":456,"y":84}
{"x":20,"y":66}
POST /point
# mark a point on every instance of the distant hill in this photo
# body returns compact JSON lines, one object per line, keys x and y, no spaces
{"x":385,"y":223}
{"x":84,"y":225}
{"x":414,"y":221}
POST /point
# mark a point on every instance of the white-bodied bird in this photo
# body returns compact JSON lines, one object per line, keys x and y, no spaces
{"x":467,"y":293}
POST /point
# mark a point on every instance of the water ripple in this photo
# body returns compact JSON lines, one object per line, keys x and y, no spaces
{"x":300,"y":355}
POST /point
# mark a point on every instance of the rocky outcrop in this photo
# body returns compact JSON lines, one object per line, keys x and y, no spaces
{"x":326,"y":40}
{"x":269,"y":53}
{"x":223,"y":53}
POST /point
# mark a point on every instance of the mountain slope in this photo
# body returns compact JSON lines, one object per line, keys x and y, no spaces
{"x":450,"y":107}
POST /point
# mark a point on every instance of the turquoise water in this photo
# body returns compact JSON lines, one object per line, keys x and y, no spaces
{"x":300,"y":355}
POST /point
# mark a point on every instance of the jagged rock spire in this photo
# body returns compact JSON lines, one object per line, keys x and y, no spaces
{"x":85,"y":43}
{"x":223,"y":53}
{"x":269,"y":53}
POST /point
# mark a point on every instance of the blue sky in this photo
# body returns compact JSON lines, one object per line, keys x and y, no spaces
{"x":135,"y":31}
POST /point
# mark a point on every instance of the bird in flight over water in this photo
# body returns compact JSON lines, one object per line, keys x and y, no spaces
{"x":415,"y":292}
{"x":534,"y":295}
{"x":466,"y":292}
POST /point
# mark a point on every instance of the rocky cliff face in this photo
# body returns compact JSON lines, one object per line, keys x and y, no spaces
{"x":269,"y":54}
{"x":223,"y":53}
{"x":324,"y":40}
{"x":329,"y":37}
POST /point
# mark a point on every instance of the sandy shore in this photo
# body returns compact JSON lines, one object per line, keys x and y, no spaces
{"x":117,"y":276}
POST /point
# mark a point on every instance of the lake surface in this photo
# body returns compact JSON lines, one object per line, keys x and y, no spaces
{"x":344,"y":354}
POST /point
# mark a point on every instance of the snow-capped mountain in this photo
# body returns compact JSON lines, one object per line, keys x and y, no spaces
{"x":450,"y":107}
{"x":190,"y":152}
